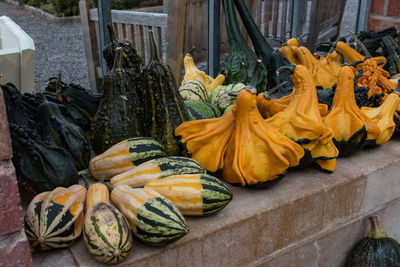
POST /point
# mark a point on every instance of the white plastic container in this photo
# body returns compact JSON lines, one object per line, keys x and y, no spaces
{"x":17,"y":56}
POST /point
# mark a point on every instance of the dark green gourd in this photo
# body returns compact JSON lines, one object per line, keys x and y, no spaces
{"x":375,"y":250}
{"x":40,"y":167}
{"x":58,"y":131}
{"x":131,"y":59}
{"x":120,"y":111}
{"x":241,"y":60}
{"x":271,"y":59}
{"x":165,"y":109}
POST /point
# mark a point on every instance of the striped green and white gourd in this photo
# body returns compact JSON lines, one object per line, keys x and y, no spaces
{"x":194,"y":90}
{"x":125,"y":155}
{"x":157,"y":169}
{"x":226,"y":96}
{"x":153,"y":218}
{"x":54,"y":219}
{"x":193,"y":194}
{"x":106,"y":231}
{"x":199,"y":110}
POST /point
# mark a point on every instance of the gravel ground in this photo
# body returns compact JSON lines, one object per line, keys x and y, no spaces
{"x":59,"y":46}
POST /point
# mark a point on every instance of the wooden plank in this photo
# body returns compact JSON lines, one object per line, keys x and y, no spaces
{"x":90,"y":43}
{"x":267,"y":18}
{"x":275,"y":18}
{"x":134,"y":17}
{"x":314,"y":24}
{"x":283,"y":18}
{"x":176,"y":35}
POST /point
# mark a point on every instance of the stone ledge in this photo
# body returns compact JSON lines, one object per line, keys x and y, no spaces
{"x":14,"y":250}
{"x":259,"y":223}
{"x":5,"y":139}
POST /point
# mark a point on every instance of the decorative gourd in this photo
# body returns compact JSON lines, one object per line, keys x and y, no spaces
{"x":301,"y":120}
{"x":125,"y":155}
{"x":54,"y":219}
{"x":106,"y":231}
{"x":120,"y":112}
{"x":333,"y":62}
{"x":271,"y":59}
{"x":199,"y":110}
{"x":62,"y":133}
{"x":375,"y":250}
{"x":383,"y":117}
{"x":157,"y":169}
{"x":345,"y":118}
{"x":40,"y":167}
{"x":208,"y":142}
{"x":228,"y":96}
{"x":193,"y":73}
{"x":72,"y":93}
{"x":193,"y":90}
{"x":131,"y":59}
{"x":193,"y":194}
{"x":239,"y":65}
{"x":253,"y":138}
{"x":165,"y":108}
{"x":292,"y":42}
{"x":152,"y":218}
{"x":269,"y":106}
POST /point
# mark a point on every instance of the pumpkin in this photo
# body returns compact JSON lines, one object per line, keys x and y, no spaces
{"x":157,"y":169}
{"x":164,"y":106}
{"x":152,"y":218}
{"x":124,"y":156}
{"x":301,"y":120}
{"x":193,"y":194}
{"x":106,"y":231}
{"x":375,"y":250}
{"x":53,"y":219}
{"x":345,"y":118}
{"x":120,"y":112}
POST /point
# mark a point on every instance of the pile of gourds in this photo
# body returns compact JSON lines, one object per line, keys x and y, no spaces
{"x":339,"y":103}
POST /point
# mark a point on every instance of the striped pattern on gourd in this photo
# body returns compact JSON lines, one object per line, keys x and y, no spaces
{"x":106,"y":231}
{"x":125,"y":155}
{"x":54,"y":219}
{"x":200,"y":110}
{"x":194,"y":90}
{"x":193,"y":194}
{"x":157,"y":169}
{"x":153,"y":218}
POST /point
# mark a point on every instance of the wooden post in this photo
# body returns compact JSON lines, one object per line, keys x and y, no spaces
{"x":90,"y":41}
{"x":176,"y":28}
{"x":214,"y":8}
{"x":315,"y":23}
{"x":104,"y":7}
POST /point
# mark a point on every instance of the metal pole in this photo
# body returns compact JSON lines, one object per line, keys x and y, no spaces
{"x":362,"y":15}
{"x":213,"y":37}
{"x":104,"y":11}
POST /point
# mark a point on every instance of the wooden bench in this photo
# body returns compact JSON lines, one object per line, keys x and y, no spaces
{"x":183,"y":23}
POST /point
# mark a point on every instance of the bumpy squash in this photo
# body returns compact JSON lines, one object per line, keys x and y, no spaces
{"x":193,"y":73}
{"x":106,"y":231}
{"x":152,"y":218}
{"x":375,"y":250}
{"x":62,"y":133}
{"x":383,"y":117}
{"x":119,"y":115}
{"x":193,"y":194}
{"x":193,"y":90}
{"x":164,"y":106}
{"x":302,"y":122}
{"x":40,"y":167}
{"x":125,"y":155}
{"x":54,"y":219}
{"x":131,"y":59}
{"x":345,"y":118}
{"x":157,"y":169}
